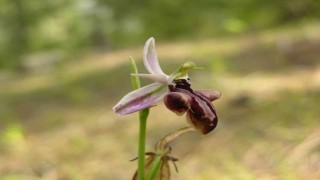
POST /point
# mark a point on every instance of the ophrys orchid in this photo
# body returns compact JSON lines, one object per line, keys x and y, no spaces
{"x":176,"y":91}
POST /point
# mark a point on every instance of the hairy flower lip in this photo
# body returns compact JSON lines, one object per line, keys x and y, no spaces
{"x":201,"y":113}
{"x":178,"y":103}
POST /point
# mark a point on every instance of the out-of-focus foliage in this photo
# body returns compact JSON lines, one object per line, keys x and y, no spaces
{"x":56,"y":118}
{"x":29,"y":26}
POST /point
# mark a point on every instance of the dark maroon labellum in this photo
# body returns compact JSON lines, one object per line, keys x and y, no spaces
{"x":200,"y":112}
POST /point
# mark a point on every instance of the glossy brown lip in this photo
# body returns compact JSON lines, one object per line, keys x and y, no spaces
{"x":201,"y":113}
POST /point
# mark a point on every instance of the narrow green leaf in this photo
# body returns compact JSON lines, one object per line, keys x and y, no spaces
{"x":155,"y":168}
{"x":135,"y":81}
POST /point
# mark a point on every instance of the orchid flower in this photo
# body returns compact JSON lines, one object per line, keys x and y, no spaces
{"x":175,"y":90}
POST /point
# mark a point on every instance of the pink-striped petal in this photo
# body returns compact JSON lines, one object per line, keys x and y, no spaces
{"x":155,"y":77}
{"x":150,"y":59}
{"x":140,"y":99}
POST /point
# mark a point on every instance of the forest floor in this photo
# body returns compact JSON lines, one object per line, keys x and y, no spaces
{"x":59,"y":124}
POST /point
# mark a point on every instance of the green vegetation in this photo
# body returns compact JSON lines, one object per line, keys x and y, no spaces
{"x":31,"y":26}
{"x":56,"y":120}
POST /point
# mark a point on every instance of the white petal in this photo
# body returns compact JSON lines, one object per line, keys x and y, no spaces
{"x":140,"y":99}
{"x":150,"y":59}
{"x":155,"y":77}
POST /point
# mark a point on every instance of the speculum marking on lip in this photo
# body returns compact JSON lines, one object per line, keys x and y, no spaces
{"x":200,"y":113}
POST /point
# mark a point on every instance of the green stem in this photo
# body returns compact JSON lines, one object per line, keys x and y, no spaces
{"x":143,"y":115}
{"x":155,"y":168}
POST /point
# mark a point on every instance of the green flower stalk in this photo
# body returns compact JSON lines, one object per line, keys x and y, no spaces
{"x":143,"y":116}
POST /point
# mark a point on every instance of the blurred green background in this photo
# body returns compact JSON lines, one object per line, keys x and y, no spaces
{"x":65,"y":63}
